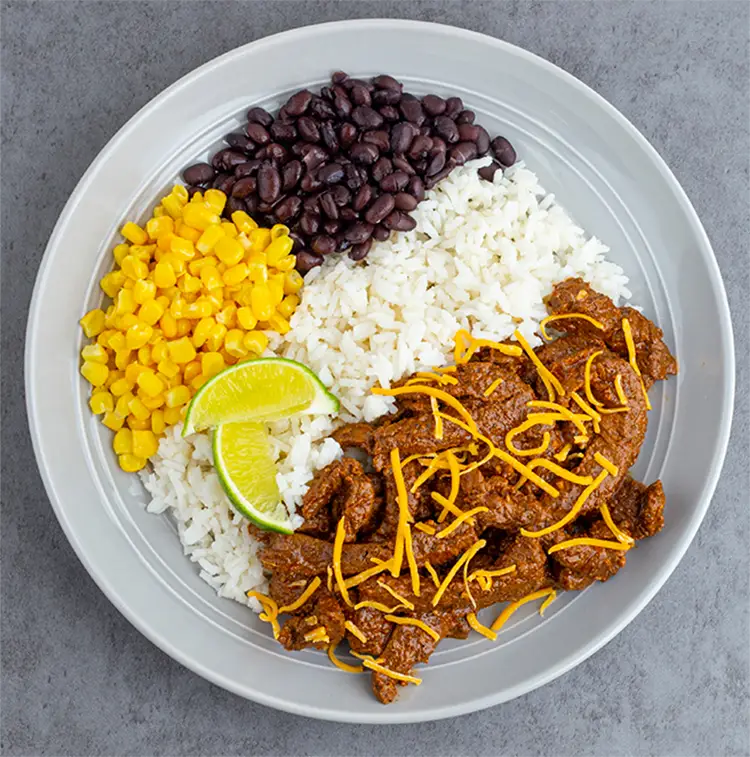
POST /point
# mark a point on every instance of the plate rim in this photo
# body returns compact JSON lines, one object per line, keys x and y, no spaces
{"x":725,"y":328}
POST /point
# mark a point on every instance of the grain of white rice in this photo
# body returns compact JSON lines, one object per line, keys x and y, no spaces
{"x":482,"y":257}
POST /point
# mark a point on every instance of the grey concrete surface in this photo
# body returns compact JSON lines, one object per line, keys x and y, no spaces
{"x":77,"y":679}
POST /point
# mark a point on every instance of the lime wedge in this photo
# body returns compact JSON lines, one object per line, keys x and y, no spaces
{"x":243,"y":460}
{"x":258,"y":390}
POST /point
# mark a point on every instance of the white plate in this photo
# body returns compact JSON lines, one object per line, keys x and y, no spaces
{"x":601,"y":169}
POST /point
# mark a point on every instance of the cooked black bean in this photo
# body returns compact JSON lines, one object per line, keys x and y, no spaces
{"x":269,"y":182}
{"x":447,"y":129}
{"x":402,"y":164}
{"x":364,"y":153}
{"x":394,"y":182}
{"x":321,"y":109}
{"x":277,"y":152}
{"x":342,"y":243}
{"x":415,"y":187}
{"x":258,"y":134}
{"x":308,"y":129}
{"x":314,"y":156}
{"x":288,"y":209}
{"x":246,"y":169}
{"x":343,"y":105}
{"x":366,"y":118}
{"x":323,"y":244}
{"x":488,"y":172}
{"x":379,"y":138}
{"x":421,"y":145}
{"x":348,"y":215}
{"x":453,"y":106}
{"x":347,"y":135}
{"x":233,"y":204}
{"x":291,"y":173}
{"x":436,"y":164}
{"x":353,"y":179}
{"x":438,"y":145}
{"x":226,"y":160}
{"x":362,"y":198}
{"x":462,"y":152}
{"x":260,"y":116}
{"x":380,"y":209}
{"x":482,"y":141}
{"x":307,"y":260}
{"x":359,"y":251}
{"x":224,"y":182}
{"x":243,"y":187}
{"x":405,"y":201}
{"x":433,"y":105}
{"x":431,"y":181}
{"x":283,"y":132}
{"x":468,"y":132}
{"x":310,"y":182}
{"x":298,"y":103}
{"x":359,"y":232}
{"x":360,"y":95}
{"x":329,"y":207}
{"x":386,"y":97}
{"x":332,"y":173}
{"x":332,"y":228}
{"x":251,"y":204}
{"x":384,"y":81}
{"x":381,"y":233}
{"x":339,"y":77}
{"x":240,"y":142}
{"x":309,"y":223}
{"x":389,"y":113}
{"x":412,"y":111}
{"x":341,"y":195}
{"x":466,"y":117}
{"x":381,"y":169}
{"x":503,"y":151}
{"x":327,"y":93}
{"x":198,"y":173}
{"x":297,"y":241}
{"x":399,"y":221}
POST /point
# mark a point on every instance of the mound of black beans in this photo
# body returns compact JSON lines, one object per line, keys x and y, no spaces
{"x":346,"y":166}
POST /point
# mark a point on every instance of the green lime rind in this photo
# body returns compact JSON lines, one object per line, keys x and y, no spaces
{"x":247,"y":472}
{"x":304,"y":393}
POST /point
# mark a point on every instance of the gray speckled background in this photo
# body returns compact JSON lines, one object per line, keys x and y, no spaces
{"x":77,"y":679}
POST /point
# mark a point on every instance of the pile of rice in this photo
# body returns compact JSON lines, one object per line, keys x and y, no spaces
{"x":482,"y":257}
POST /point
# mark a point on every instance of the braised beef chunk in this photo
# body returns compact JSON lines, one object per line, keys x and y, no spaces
{"x":503,"y":474}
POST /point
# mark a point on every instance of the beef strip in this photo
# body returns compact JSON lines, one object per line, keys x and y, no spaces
{"x":638,"y":510}
{"x":356,"y":436}
{"x":420,"y":503}
{"x":323,"y":609}
{"x":374,"y":626}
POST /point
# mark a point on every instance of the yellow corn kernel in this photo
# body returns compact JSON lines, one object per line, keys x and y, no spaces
{"x":157,"y":422}
{"x":138,"y":409}
{"x":121,"y":386}
{"x":124,"y":302}
{"x":209,"y":238}
{"x":131,"y":374}
{"x":180,"y":193}
{"x":261,"y":302}
{"x":228,"y":314}
{"x":195,"y":266}
{"x":134,"y":268}
{"x":152,"y":403}
{"x":173,"y":206}
{"x":137,"y":425}
{"x":128,"y":283}
{"x":122,"y":443}
{"x":156,"y":227}
{"x":259,"y":239}
{"x":183,"y":248}
{"x":246,"y":318}
{"x":138,"y":335}
{"x":235,"y":275}
{"x":101,"y":402}
{"x":255,"y":341}
{"x":164,"y":275}
{"x":112,"y":282}
{"x":93,"y":322}
{"x":279,"y":230}
{"x":144,"y":290}
{"x":181,"y":351}
{"x":126,"y":321}
{"x":123,"y":359}
{"x":243,"y":221}
{"x":198,"y":382}
{"x":164,"y":243}
{"x":122,"y":405}
{"x":292,"y":282}
{"x":199,"y":216}
{"x":191,"y":371}
{"x":95,"y":353}
{"x":172,"y":415}
{"x":168,"y":325}
{"x":95,"y":373}
{"x":211,"y":363}
{"x":150,"y":383}
{"x":104,"y":337}
{"x":279,"y":248}
{"x":229,"y":359}
{"x":202,"y":308}
{"x":159,"y":212}
{"x":216,"y":298}
{"x":215,"y":339}
{"x":233,"y":343}
{"x":159,"y":351}
{"x":144,"y":355}
{"x":174,"y":381}
{"x":230,"y":229}
{"x":131,"y":463}
{"x":201,"y":331}
{"x":189,"y":284}
{"x":117,"y":341}
{"x":177,"y":396}
{"x":134,"y":233}
{"x":120,"y":252}
{"x":210,"y":277}
{"x":176,"y":306}
{"x":276,"y":288}
{"x":288,"y":305}
{"x":168,"y":368}
{"x":286,"y":263}
{"x":257,"y":272}
{"x":143,"y":252}
{"x":229,"y":251}
{"x":110,"y":317}
{"x":183,"y":327}
{"x":177,"y":263}
{"x":145,"y":443}
{"x":215,"y":199}
{"x":187,"y":232}
{"x":113,"y":421}
{"x":278,"y":323}
{"x":150,"y":313}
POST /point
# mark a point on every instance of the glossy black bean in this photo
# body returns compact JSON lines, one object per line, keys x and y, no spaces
{"x":433,"y":105}
{"x":310,"y":182}
{"x":446,"y":129}
{"x":381,"y":233}
{"x":380,"y":209}
{"x":298,"y":242}
{"x":402,"y":135}
{"x":331,"y":173}
{"x":339,"y":77}
{"x":482,"y":141}
{"x":468,"y":132}
{"x":353,"y":178}
{"x":438,"y":145}
{"x":342,"y":243}
{"x":332,"y":228}
{"x":341,"y":195}
{"x":224,"y":182}
{"x":328,"y":206}
{"x":360,"y":95}
{"x":381,"y":169}
{"x":436,"y":164}
{"x":307,"y":260}
{"x":309,"y":224}
{"x":366,"y":118}
{"x":327,"y":93}
{"x":359,"y":251}
{"x":405,"y":201}
{"x":431,"y":181}
{"x":384,"y":81}
{"x":323,"y":244}
{"x":244,"y":187}
{"x":258,"y":134}
{"x":308,"y":129}
{"x":359,"y":232}
{"x":453,"y":106}
{"x":251,"y":204}
{"x":276,"y":152}
{"x":399,"y":221}
{"x":415,"y":187}
{"x":503,"y":151}
{"x":379,"y":138}
{"x":291,"y":173}
{"x":462,"y":152}
{"x":234,"y":204}
{"x":314,"y":157}
{"x":386,"y":97}
{"x":389,"y":113}
{"x":198,"y":173}
{"x":349,"y":215}
{"x":260,"y":116}
{"x":269,"y":182}
{"x":240,"y":142}
{"x":347,"y":135}
{"x":395,"y":182}
{"x":362,"y":198}
{"x":249,"y":168}
{"x":364,"y":153}
{"x":488,"y":172}
{"x":465,"y":117}
{"x":288,"y":209}
{"x":421,"y":145}
{"x":321,"y":109}
{"x":412,"y":111}
{"x":343,"y":106}
{"x":283,"y":132}
{"x":298,"y":103}
{"x":402,"y":164}
{"x":226,"y":160}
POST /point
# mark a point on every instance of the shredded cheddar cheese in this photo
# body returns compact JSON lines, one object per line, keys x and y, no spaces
{"x":365,"y":574}
{"x":562,"y":455}
{"x":628,"y":333}
{"x":455,"y":483}
{"x":551,"y":384}
{"x":502,"y":618}
{"x":411,"y":562}
{"x":440,"y":379}
{"x":580,"y":439}
{"x":587,"y":379}
{"x":462,"y":341}
{"x":564,"y":411}
{"x":372,"y":665}
{"x":505,"y":349}
{"x":493,"y":573}
{"x":329,"y":580}
{"x":402,"y":600}
{"x":608,"y":465}
{"x":588,"y":542}
{"x":595,"y":417}
{"x":425,"y":528}
{"x":317,"y":635}
{"x":354,"y":631}
{"x":547,"y":602}
{"x":491,"y":388}
{"x":474,"y":623}
{"x":421,"y":625}
{"x":540,"y":450}
{"x":403,"y":513}
{"x":338,"y":545}
{"x":571,"y":515}
{"x":447,"y":505}
{"x":621,"y":536}
{"x":470,"y":552}
{"x":551,"y":318}
{"x":433,"y":574}
{"x":342,"y":665}
{"x":465,"y":516}
{"x":621,"y":396}
{"x":432,"y":468}
{"x":312,"y":587}
{"x":378,"y":606}
{"x":563,"y":473}
{"x":270,"y":611}
{"x":445,"y":369}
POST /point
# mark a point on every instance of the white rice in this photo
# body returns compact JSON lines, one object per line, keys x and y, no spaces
{"x":482,"y":257}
